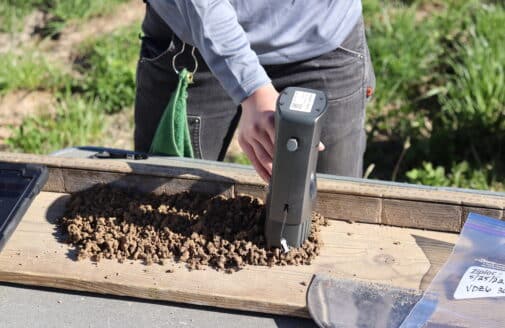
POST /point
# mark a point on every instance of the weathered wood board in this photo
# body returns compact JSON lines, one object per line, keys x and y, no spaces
{"x":396,"y":256}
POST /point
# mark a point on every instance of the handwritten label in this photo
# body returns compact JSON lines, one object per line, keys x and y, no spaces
{"x":478,"y":282}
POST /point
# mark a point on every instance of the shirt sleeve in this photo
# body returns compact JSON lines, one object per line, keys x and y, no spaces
{"x":222,"y":42}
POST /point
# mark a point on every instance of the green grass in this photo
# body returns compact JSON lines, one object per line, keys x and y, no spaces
{"x":29,"y":71}
{"x":13,"y":12}
{"x":82,"y":9}
{"x":470,"y":125}
{"x":475,"y":93}
{"x":76,"y":122}
{"x":460,"y":175}
{"x":108,"y":66}
{"x":440,"y":84}
{"x":106,"y":86}
{"x":405,"y":53}
{"x":239,"y":158}
{"x":64,"y":11}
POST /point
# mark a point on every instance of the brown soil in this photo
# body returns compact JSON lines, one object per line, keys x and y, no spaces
{"x":13,"y":42}
{"x":198,"y":229}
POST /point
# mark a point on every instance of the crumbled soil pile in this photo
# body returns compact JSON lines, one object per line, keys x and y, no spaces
{"x":201,"y":230}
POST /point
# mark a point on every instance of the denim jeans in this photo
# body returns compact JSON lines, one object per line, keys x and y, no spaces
{"x":345,"y":74}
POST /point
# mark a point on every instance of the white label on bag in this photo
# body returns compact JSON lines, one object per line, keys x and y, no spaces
{"x":478,"y":282}
{"x":302,"y":101}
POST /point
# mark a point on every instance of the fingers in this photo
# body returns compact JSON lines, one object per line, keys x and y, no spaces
{"x":257,"y":129}
{"x":266,"y":143}
{"x":263,"y":157}
{"x":264,"y":132}
{"x":249,"y":151}
{"x":263,"y":144}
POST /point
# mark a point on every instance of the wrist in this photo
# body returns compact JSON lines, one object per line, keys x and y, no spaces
{"x":263,"y":97}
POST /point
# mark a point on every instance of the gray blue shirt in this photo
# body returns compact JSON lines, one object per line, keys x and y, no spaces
{"x":237,"y":37}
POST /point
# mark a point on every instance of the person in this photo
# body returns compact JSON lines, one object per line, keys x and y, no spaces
{"x":245,"y":52}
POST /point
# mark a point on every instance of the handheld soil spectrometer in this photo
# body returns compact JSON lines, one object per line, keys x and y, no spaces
{"x":293,"y":188}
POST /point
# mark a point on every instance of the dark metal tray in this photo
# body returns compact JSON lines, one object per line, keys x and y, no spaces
{"x":19,"y":184}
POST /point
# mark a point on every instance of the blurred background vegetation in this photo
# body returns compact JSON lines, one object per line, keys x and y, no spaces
{"x":437,"y":117}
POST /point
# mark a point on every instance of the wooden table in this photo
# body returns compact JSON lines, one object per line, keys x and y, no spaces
{"x":367,"y":250}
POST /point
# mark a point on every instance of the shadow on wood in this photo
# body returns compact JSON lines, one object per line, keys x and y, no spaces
{"x":437,"y":251}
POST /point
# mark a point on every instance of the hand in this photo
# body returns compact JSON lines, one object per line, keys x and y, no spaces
{"x":256,"y":129}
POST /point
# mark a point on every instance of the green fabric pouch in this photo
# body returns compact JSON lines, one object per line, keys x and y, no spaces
{"x":172,"y":136}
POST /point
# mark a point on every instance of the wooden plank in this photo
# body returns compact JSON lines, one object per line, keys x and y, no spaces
{"x":55,"y":180}
{"x":349,"y":207}
{"x":423,"y":215}
{"x":404,"y":191}
{"x":78,"y":180}
{"x":368,"y":252}
{"x":241,"y":175}
{"x":332,"y":206}
{"x":168,"y":167}
{"x":494,"y":213}
{"x":258,"y":191}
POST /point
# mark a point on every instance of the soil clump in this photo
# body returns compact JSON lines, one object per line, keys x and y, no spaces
{"x":195,"y":228}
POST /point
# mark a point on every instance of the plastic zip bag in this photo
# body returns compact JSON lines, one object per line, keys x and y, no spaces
{"x":469,"y":291}
{"x":334,"y":302}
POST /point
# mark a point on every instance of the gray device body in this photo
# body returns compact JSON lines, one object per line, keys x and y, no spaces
{"x":293,"y":187}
